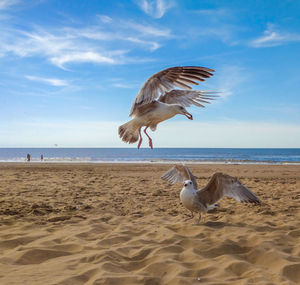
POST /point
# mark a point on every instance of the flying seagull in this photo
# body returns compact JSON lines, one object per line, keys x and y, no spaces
{"x":220,"y":185}
{"x":149,"y":109}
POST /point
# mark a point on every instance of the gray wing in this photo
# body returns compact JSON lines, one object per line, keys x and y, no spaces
{"x":187,"y":98}
{"x":222,"y":185}
{"x":179,"y":173}
{"x":168,"y":79}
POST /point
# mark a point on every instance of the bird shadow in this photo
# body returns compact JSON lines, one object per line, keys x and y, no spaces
{"x":220,"y":225}
{"x":216,"y":225}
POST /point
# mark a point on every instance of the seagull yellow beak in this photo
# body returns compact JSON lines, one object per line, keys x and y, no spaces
{"x":188,"y":115}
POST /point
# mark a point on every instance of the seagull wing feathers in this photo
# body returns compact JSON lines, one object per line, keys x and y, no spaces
{"x":222,"y":185}
{"x":186,"y":98}
{"x":179,"y":174}
{"x":168,"y":79}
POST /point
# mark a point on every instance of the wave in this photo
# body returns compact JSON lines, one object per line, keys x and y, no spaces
{"x":158,"y":155}
{"x":154,"y":161}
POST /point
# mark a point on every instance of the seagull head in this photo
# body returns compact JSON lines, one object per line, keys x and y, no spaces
{"x":181,"y":110}
{"x":188,"y":184}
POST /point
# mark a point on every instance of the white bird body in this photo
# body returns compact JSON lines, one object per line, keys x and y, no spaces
{"x":161,"y":112}
{"x":149,"y":109}
{"x":189,"y":199}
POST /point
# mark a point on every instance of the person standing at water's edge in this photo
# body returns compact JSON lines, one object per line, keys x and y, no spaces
{"x":28,"y":157}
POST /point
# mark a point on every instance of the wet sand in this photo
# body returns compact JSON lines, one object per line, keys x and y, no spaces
{"x":121,"y":224}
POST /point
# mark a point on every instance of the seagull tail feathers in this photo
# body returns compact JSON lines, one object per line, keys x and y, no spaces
{"x":129,"y":132}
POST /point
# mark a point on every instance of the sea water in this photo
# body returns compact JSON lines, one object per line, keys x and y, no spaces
{"x":192,"y":155}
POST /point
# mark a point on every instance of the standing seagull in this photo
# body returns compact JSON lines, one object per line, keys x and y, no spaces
{"x":220,"y":185}
{"x":149,"y":109}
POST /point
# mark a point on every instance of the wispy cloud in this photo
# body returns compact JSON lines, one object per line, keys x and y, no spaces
{"x":152,"y":45}
{"x":229,"y":78}
{"x":123,"y":85}
{"x":50,"y":81}
{"x":214,"y":12}
{"x":218,"y":24}
{"x":142,"y":38}
{"x":59,"y":48}
{"x":225,"y":33}
{"x":273,"y":37}
{"x":4,"y":4}
{"x":77,"y":57}
{"x":155,"y":8}
{"x":91,"y":44}
{"x":119,"y":82}
{"x":105,"y":18}
{"x":148,"y":29}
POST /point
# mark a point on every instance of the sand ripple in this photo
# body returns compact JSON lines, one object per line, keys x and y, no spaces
{"x":79,"y":226}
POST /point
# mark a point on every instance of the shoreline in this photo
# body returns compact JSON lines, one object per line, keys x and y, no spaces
{"x":153,"y":162}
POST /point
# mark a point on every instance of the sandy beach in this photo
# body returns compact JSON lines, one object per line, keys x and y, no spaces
{"x":121,"y":224}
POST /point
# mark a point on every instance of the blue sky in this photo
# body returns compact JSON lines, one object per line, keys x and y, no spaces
{"x":71,"y":69}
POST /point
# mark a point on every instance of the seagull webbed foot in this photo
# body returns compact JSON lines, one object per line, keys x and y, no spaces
{"x":190,"y":217}
{"x":150,"y":140}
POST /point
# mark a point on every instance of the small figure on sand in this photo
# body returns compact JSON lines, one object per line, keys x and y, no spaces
{"x":28,"y":157}
{"x":42,"y":157}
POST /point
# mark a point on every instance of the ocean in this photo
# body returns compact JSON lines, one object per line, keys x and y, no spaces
{"x":161,"y":155}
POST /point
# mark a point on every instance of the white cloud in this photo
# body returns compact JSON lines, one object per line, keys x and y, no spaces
{"x":59,"y":49}
{"x":273,"y":38}
{"x":76,"y":57}
{"x":152,"y":45}
{"x":94,"y":34}
{"x":214,"y":12}
{"x":228,"y":79}
{"x":155,"y":8}
{"x":169,"y":134}
{"x":148,"y":30}
{"x":51,"y":81}
{"x":105,"y":18}
{"x":92,"y":44}
{"x":123,"y":85}
{"x":4,"y":4}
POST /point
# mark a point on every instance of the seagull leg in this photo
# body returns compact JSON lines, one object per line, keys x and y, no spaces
{"x":198,"y":221}
{"x":141,"y":139}
{"x":190,"y":217}
{"x":150,"y":140}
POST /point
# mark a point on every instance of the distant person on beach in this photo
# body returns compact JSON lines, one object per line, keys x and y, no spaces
{"x":42,"y":157}
{"x":28,"y":157}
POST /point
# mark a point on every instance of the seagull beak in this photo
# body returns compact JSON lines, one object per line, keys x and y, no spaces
{"x":188,"y":115}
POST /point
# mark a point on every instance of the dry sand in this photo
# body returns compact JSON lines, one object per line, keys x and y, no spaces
{"x":121,"y":224}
